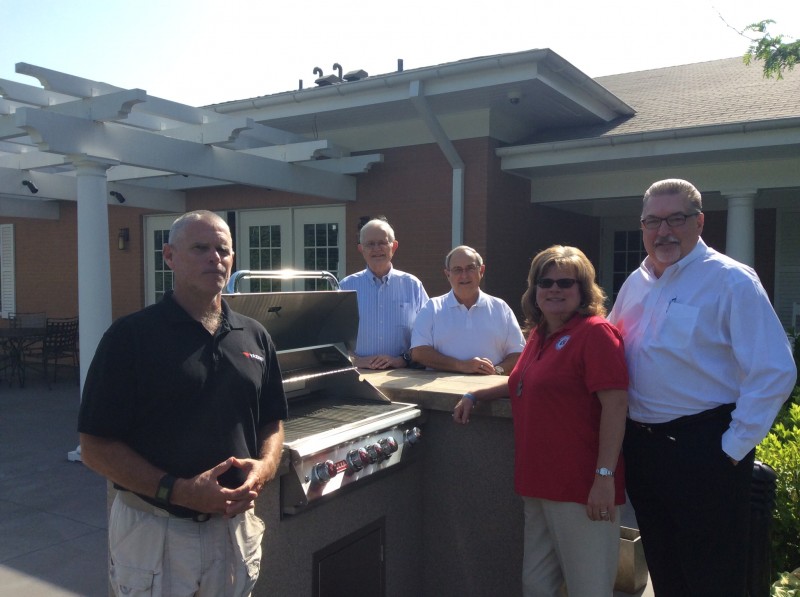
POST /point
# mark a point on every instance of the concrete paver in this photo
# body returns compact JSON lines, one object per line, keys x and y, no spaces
{"x":52,"y":511}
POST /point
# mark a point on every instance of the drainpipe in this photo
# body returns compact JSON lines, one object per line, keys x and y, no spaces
{"x":417,"y":95}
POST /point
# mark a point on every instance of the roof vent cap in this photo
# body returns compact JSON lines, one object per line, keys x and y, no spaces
{"x":356,"y":75}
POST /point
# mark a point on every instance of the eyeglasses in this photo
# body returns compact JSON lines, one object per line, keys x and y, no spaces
{"x":561,"y":282}
{"x":376,"y":244}
{"x":470,"y":269}
{"x":673,"y":221}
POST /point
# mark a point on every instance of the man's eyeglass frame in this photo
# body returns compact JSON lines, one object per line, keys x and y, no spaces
{"x":672,"y":220}
{"x":470,"y":269}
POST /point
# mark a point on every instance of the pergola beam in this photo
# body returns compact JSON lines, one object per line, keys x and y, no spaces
{"x":69,"y":135}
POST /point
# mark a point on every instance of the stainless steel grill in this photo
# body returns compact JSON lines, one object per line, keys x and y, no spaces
{"x":341,"y":429}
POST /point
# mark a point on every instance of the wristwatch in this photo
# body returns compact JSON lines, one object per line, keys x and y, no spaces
{"x":499,"y":370}
{"x":604,"y":472}
{"x":407,"y":358}
{"x":164,"y":492}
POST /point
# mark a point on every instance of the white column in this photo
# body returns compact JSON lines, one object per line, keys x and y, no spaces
{"x":740,"y":240}
{"x":94,"y":263}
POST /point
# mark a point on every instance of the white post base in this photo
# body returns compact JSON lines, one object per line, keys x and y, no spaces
{"x":75,"y":455}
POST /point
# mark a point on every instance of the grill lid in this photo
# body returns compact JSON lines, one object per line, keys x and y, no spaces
{"x":302,"y":319}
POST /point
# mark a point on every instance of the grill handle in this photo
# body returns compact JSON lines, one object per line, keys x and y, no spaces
{"x":283,"y":274}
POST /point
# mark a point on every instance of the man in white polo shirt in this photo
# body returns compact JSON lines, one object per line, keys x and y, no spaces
{"x":466,"y":330}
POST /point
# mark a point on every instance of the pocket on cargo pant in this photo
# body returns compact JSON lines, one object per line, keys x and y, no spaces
{"x":247,"y":531}
{"x":133,"y":582}
{"x":136,"y":549}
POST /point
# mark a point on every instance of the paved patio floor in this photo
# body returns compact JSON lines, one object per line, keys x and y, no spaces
{"x":53,"y":511}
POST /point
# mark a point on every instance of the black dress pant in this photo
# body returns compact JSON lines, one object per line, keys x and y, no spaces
{"x":692,"y":505}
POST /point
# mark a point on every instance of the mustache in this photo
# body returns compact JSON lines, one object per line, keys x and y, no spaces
{"x":667,"y":240}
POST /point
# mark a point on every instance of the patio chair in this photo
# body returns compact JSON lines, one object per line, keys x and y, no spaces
{"x":60,"y":341}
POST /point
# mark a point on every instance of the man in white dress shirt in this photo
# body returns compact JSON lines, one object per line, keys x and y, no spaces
{"x":388,"y":301}
{"x":710,"y":367}
{"x":466,"y":330}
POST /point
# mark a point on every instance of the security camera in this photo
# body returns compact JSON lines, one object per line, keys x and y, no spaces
{"x":514,"y":97}
{"x":31,"y":187}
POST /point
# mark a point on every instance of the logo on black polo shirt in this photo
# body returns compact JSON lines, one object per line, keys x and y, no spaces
{"x":255,"y":357}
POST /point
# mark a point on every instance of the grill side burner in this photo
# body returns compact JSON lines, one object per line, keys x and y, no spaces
{"x":341,"y":429}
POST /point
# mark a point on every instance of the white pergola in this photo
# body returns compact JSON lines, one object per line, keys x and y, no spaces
{"x":80,"y":140}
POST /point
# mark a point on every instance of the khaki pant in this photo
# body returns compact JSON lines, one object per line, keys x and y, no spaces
{"x":564,"y":547}
{"x":157,"y":555}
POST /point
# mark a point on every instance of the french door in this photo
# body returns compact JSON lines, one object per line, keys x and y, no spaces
{"x":302,"y":238}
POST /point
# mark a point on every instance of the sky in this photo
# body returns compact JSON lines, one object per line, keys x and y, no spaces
{"x":200,"y":52}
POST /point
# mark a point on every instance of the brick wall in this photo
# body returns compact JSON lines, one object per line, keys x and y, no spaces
{"x":46,"y":262}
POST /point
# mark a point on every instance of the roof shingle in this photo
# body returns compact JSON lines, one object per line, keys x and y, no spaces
{"x":692,"y":95}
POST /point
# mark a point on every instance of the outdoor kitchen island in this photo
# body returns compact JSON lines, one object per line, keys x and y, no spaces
{"x":444,"y":522}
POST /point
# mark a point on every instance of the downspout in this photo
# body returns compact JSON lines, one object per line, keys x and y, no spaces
{"x":417,"y":95}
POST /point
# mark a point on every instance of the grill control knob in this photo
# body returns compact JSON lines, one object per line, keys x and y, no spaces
{"x":412,"y":435}
{"x":374,"y":453}
{"x":356,"y":460}
{"x":322,"y":472}
{"x":388,"y":445}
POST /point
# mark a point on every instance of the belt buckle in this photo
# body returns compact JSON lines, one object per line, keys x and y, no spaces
{"x":201,"y":517}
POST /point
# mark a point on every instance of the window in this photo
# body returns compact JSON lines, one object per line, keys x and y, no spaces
{"x":320,"y":251}
{"x":162,"y":275}
{"x":265,"y":254}
{"x":8,"y":303}
{"x":628,"y":255}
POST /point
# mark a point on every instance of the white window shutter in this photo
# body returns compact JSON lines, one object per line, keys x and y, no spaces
{"x":8,"y":303}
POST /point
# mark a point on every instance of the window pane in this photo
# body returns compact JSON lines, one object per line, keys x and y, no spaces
{"x":628,"y":255}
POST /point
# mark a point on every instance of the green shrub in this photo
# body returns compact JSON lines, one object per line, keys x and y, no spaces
{"x":788,"y":585}
{"x":781,"y":450}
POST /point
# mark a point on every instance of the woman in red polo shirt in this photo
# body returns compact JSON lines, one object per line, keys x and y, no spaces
{"x":569,"y":400}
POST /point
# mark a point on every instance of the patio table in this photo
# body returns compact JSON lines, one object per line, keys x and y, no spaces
{"x":15,"y":340}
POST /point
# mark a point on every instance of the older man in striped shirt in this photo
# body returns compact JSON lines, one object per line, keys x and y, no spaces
{"x":388,"y":301}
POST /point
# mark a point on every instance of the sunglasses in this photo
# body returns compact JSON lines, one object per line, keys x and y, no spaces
{"x":561,"y":283}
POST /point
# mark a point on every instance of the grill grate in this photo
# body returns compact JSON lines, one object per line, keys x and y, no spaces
{"x":312,"y":417}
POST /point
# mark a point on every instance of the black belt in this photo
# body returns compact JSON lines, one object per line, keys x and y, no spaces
{"x":137,"y":502}
{"x":715,"y":413}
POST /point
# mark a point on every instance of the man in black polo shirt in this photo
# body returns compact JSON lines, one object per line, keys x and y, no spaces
{"x":182,"y":410}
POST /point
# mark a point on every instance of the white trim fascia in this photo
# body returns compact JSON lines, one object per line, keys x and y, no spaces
{"x":463,"y":75}
{"x":745,"y":135}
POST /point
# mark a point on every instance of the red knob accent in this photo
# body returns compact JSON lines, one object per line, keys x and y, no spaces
{"x":357,"y":460}
{"x":374,"y":453}
{"x":324,"y":471}
{"x":388,"y":445}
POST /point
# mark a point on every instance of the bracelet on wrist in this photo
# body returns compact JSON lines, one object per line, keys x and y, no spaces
{"x":471,"y":397}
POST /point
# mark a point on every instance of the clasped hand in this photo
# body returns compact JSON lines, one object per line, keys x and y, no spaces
{"x":203,"y":493}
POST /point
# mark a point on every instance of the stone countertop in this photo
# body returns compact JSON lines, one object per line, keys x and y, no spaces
{"x":437,"y":390}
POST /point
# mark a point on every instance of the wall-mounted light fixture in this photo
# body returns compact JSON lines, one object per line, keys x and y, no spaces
{"x":31,"y":187}
{"x":118,"y":196}
{"x":123,"y":238}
